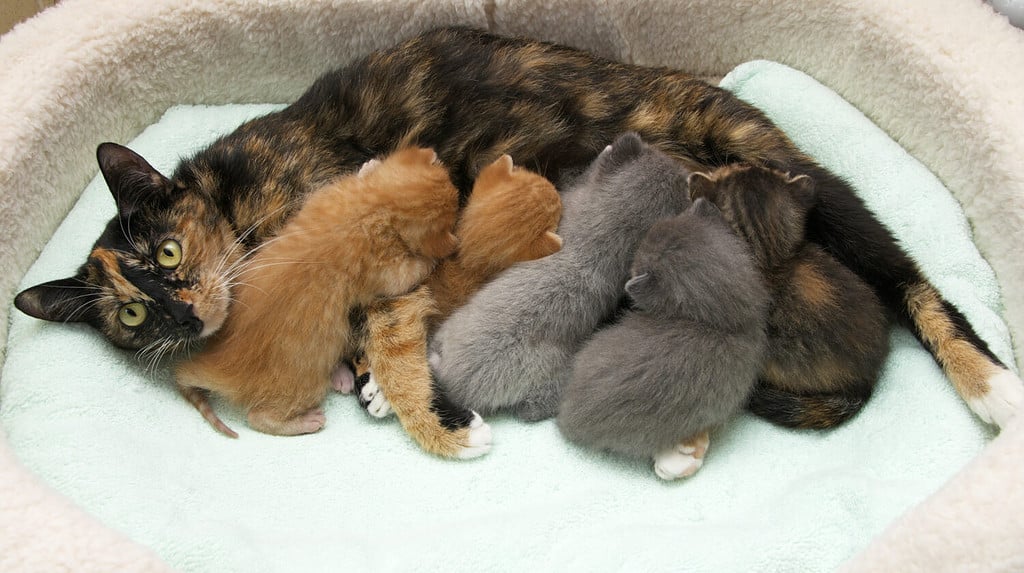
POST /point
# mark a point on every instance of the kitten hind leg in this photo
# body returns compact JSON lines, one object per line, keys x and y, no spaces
{"x":683,"y":459}
{"x":270,"y":421}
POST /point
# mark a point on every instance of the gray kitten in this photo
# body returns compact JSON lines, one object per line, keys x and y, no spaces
{"x":685,"y":359}
{"x":511,"y":346}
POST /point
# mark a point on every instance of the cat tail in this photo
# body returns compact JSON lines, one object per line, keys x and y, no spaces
{"x":199,"y":398}
{"x":846,"y":229}
{"x":805,"y":411}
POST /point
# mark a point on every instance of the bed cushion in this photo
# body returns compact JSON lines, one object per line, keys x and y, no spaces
{"x":360,"y":494}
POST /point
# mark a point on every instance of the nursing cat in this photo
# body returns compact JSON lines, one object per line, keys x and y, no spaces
{"x":472,"y":96}
{"x":377,"y":233}
{"x":684,"y":359}
{"x":511,"y":346}
{"x":828,"y":333}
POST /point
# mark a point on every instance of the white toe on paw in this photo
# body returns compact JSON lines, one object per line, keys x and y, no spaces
{"x":479,"y":441}
{"x":376,"y":404}
{"x":674,"y":464}
{"x":1004,"y":398}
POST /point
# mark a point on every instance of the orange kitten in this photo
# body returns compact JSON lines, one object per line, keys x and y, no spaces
{"x":377,"y":233}
{"x":511,"y":217}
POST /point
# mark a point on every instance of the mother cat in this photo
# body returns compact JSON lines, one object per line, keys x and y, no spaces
{"x":159,"y":276}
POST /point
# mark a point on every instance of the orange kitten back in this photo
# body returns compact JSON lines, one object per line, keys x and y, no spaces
{"x":511,"y":216}
{"x":377,"y":233}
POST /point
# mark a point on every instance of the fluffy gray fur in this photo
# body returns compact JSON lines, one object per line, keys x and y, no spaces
{"x":687,"y":356}
{"x":511,"y":346}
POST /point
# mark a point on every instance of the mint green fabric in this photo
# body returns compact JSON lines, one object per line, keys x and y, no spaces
{"x":360,"y":495}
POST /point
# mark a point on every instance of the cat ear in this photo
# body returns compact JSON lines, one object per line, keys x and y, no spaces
{"x":505,"y":161}
{"x":368,"y":167}
{"x":130,"y":178}
{"x":705,"y":208}
{"x":62,"y":300}
{"x":548,"y":244}
{"x":701,"y":185}
{"x":636,"y":284}
{"x":625,"y":148}
{"x":802,"y":187}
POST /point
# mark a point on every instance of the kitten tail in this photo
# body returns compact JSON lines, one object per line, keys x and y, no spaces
{"x":805,"y":411}
{"x":199,"y":398}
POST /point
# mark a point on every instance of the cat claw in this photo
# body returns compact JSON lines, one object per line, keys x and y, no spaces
{"x":372,"y":398}
{"x":478,"y":440}
{"x":682,"y":460}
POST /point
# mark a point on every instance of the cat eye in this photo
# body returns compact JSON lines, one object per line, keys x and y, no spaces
{"x":168,"y":255}
{"x":132,"y":314}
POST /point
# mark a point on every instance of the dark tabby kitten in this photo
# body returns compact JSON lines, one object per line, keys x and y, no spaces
{"x":472,"y":96}
{"x":828,"y":334}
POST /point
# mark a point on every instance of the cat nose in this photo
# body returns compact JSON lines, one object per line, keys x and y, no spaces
{"x":186,"y":318}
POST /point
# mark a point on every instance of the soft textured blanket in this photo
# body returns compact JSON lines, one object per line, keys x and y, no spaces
{"x":361,"y":495}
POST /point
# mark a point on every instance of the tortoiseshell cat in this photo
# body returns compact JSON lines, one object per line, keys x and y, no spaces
{"x":828,"y":334}
{"x":377,"y":233}
{"x":472,"y":96}
{"x":511,"y":216}
{"x":684,"y":359}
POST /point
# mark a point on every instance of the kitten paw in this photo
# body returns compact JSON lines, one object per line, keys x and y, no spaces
{"x":683,"y":460}
{"x":343,"y":379}
{"x":308,"y":422}
{"x":478,"y":441}
{"x":372,"y":399}
{"x":1004,"y":399}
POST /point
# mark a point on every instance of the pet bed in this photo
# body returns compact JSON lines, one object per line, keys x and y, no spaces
{"x":112,"y":69}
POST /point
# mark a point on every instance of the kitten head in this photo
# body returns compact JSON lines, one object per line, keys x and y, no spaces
{"x":156,"y":276}
{"x":766,"y":207}
{"x":692,"y":265}
{"x":626,"y":189}
{"x":511,"y":217}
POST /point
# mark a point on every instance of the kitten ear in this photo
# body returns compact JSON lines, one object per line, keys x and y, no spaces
{"x":701,"y":185}
{"x":548,"y":244}
{"x":427,"y":155}
{"x":130,"y":178}
{"x":505,"y":161}
{"x":625,"y":148}
{"x":62,"y":300}
{"x":705,"y":208}
{"x":802,"y":187}
{"x":368,"y":167}
{"x":636,"y":284}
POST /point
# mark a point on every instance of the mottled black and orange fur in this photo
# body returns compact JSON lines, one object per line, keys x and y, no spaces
{"x":827,"y":331}
{"x":473,"y":96}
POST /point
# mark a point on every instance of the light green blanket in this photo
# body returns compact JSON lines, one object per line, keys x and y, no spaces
{"x":361,"y":496}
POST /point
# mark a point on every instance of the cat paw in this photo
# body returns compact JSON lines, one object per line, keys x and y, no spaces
{"x":478,"y":439}
{"x":682,"y":460}
{"x":372,"y":399}
{"x":343,"y":379}
{"x":308,"y":422}
{"x":1003,"y":400}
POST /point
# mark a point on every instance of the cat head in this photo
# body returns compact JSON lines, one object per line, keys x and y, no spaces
{"x":156,"y":276}
{"x":511,"y":216}
{"x":693,"y":265}
{"x":632,"y":181}
{"x":766,"y":207}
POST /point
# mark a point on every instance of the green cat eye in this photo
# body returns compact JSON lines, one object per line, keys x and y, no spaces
{"x":132,"y":314}
{"x":168,"y":255}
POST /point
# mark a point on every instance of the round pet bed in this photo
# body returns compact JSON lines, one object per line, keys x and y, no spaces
{"x":941,"y":78}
